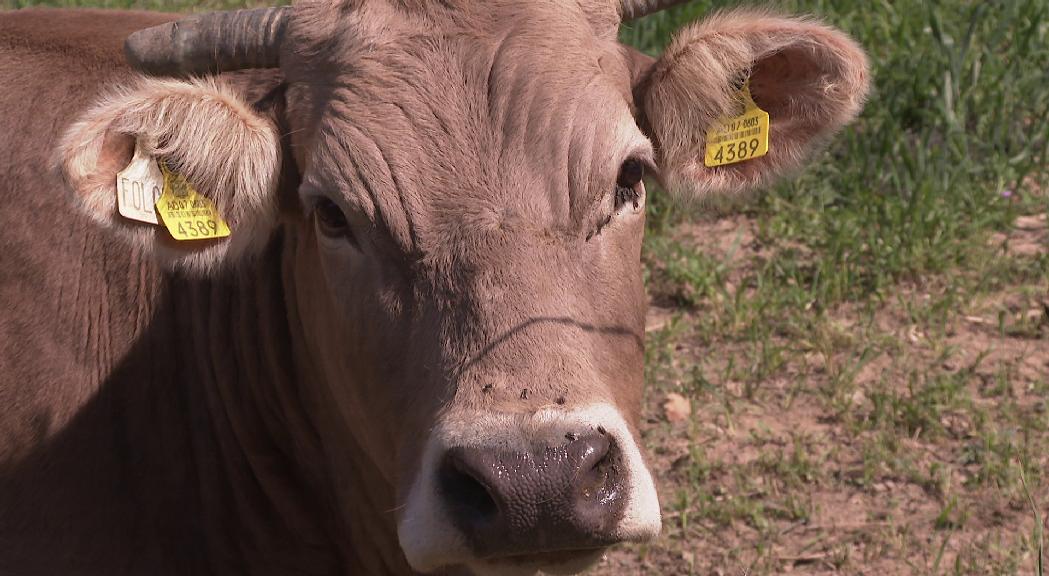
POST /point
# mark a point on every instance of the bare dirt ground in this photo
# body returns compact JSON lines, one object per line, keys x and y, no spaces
{"x":906,"y":437}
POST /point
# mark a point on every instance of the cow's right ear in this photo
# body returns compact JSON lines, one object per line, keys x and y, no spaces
{"x":202,"y":130}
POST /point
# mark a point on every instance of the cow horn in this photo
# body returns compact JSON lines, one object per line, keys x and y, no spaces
{"x":634,"y":9}
{"x":209,"y":43}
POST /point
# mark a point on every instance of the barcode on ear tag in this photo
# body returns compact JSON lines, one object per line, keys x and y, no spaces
{"x":188,"y":214}
{"x":739,"y":138}
{"x":139,"y":186}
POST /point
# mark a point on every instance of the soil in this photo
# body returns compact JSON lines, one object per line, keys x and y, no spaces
{"x":938,"y":512}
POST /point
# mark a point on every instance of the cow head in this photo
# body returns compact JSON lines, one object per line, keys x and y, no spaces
{"x":462,"y":211}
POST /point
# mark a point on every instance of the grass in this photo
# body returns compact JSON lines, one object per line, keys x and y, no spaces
{"x":865,"y":346}
{"x":887,"y":302}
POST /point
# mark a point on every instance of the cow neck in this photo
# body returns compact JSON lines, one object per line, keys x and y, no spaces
{"x":363,"y":498}
{"x":211,"y":434}
{"x":217,"y":439}
{"x":191,"y":455}
{"x":252,"y":447}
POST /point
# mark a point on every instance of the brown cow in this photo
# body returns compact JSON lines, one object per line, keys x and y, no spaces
{"x":420,"y":349}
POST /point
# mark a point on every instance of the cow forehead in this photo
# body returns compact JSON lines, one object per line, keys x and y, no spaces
{"x":323,"y":24}
{"x":480,"y":117}
{"x":498,"y":50}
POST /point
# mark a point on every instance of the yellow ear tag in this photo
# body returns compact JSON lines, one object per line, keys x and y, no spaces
{"x":739,"y":138}
{"x":187,"y":214}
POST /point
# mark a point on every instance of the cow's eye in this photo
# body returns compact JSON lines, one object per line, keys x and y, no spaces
{"x":628,"y":184}
{"x":330,"y":218}
{"x":631,"y":173}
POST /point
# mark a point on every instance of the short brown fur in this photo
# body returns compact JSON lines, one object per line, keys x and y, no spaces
{"x":260,"y":405}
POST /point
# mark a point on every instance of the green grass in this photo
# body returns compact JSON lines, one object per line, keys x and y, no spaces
{"x":846,"y":311}
{"x":959,"y":115}
{"x":862,"y":345}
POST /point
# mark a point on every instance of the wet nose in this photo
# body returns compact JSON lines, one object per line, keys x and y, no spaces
{"x":510,"y":503}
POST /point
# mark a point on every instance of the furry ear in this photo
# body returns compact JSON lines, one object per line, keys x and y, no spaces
{"x":810,"y":78}
{"x":201,"y":129}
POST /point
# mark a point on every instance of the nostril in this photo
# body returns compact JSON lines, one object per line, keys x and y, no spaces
{"x":589,"y":450}
{"x":597,"y":479}
{"x":568,"y":495}
{"x":468,"y":496}
{"x":597,"y":500}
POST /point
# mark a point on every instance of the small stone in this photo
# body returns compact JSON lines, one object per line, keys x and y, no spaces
{"x":1035,"y":222}
{"x":676,"y":407}
{"x":914,"y":334}
{"x":858,"y":397}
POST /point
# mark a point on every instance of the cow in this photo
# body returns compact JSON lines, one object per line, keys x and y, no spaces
{"x":420,"y":347}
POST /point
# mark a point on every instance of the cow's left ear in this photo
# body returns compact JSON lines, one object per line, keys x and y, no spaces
{"x":810,"y":78}
{"x":202,"y":130}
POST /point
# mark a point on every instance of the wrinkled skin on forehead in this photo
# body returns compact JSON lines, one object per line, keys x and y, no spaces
{"x":475,"y":179}
{"x":420,"y":350}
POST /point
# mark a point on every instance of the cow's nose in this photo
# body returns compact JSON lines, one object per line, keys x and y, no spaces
{"x":516,"y":503}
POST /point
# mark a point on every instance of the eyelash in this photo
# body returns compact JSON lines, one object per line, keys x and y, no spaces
{"x":631,"y":174}
{"x":627,"y":190}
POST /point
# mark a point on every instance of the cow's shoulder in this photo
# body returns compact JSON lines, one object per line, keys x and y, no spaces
{"x":80,"y":35}
{"x":74,"y":298}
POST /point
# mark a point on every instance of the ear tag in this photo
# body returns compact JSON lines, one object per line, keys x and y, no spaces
{"x":739,"y":138}
{"x":187,"y":214}
{"x":139,"y":186}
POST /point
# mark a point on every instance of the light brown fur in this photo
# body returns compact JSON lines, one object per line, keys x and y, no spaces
{"x":204,"y":131}
{"x":810,"y":78}
{"x":263,"y":404}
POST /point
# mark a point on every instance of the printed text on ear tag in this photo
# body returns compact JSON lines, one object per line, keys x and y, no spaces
{"x":187,"y":214}
{"x":739,"y":138}
{"x":139,"y":186}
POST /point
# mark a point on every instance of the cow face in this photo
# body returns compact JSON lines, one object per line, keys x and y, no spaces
{"x":479,"y":212}
{"x":462,"y":240}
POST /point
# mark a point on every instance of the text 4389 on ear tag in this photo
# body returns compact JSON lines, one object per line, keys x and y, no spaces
{"x":188,"y":214}
{"x":740,"y":138}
